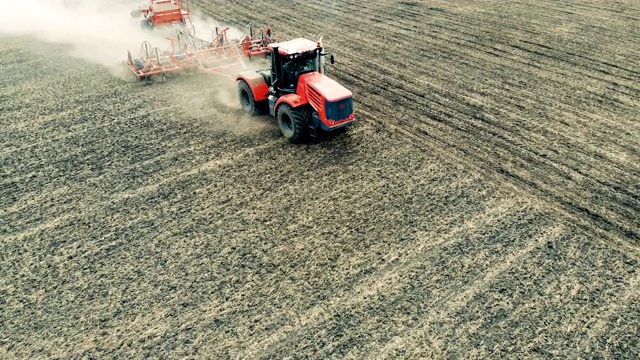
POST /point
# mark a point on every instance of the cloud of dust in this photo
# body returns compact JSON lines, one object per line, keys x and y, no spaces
{"x":205,"y":27}
{"x":101,"y":32}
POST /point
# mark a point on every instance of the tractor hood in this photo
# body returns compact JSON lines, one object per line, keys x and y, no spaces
{"x":327,"y":87}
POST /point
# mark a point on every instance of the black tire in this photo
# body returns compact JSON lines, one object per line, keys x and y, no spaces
{"x":146,"y":24}
{"x":248,"y":103}
{"x":293,"y":123}
{"x":139,"y":64}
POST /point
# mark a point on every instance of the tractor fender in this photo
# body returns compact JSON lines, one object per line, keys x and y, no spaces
{"x":293,"y":100}
{"x":256,"y":82}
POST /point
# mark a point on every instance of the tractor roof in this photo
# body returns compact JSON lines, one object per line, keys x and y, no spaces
{"x":164,"y":6}
{"x":294,"y":46}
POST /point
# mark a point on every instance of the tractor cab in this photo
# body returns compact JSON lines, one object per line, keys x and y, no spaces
{"x":295,"y":65}
{"x":291,"y":59}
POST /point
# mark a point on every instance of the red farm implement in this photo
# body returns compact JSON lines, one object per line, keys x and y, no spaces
{"x":221,"y":55}
{"x":158,"y":13}
{"x":254,"y":44}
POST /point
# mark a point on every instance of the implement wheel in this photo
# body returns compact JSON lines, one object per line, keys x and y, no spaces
{"x":146,"y":25}
{"x":249,"y":104}
{"x":293,"y":123}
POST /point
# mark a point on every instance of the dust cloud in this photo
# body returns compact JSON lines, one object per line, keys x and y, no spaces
{"x":99,"y":31}
{"x":102,"y":31}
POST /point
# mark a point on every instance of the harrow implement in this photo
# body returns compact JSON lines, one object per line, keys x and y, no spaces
{"x":221,"y":56}
{"x":255,"y":44}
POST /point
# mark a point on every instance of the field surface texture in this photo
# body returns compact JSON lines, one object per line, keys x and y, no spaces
{"x":485,"y":205}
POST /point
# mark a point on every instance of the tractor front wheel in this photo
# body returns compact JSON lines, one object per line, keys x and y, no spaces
{"x":293,"y":122}
{"x":249,"y":104}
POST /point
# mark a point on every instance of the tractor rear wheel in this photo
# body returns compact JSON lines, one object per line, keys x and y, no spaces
{"x":249,"y":104}
{"x":293,"y":122}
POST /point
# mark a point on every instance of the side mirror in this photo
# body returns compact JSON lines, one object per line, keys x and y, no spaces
{"x":332,"y":59}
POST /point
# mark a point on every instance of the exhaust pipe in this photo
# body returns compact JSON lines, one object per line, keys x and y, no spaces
{"x":322,"y":54}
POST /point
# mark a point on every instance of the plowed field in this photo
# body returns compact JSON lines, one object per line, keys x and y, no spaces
{"x":485,"y":205}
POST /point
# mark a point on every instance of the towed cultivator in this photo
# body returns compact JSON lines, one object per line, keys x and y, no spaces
{"x":218,"y":56}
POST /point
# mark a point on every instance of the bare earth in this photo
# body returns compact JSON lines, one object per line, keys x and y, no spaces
{"x":487,"y":203}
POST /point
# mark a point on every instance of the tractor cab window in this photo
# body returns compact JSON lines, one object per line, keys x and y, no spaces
{"x":295,"y":65}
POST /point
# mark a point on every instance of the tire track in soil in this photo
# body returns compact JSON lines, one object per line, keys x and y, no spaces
{"x":456,"y":302}
{"x":548,"y":291}
{"x":610,"y":219}
{"x":122,"y":196}
{"x":82,"y":133}
{"x":454,"y":144}
{"x":86,"y":149}
{"x":593,"y":216}
{"x":401,"y":304}
{"x":618,"y":310}
{"x":584,"y":224}
{"x":387,"y":280}
{"x":567,"y":207}
{"x":92,"y":252}
{"x":412,"y":90}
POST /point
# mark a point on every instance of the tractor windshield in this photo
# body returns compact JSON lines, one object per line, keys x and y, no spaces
{"x":295,"y":65}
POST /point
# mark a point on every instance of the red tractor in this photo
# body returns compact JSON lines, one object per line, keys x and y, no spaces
{"x":163,"y":12}
{"x":296,"y":91}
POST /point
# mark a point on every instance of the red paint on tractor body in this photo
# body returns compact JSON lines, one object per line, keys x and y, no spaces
{"x":256,"y":82}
